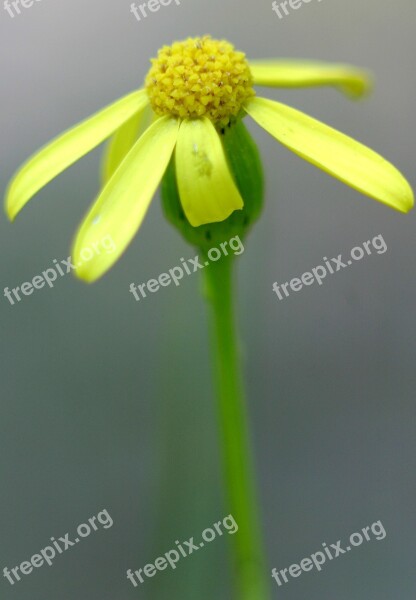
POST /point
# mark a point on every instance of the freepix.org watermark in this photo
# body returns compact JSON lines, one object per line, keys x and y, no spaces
{"x":318,"y":559}
{"x":187,"y":267}
{"x":332,"y":265}
{"x":183,"y":550}
{"x":141,"y":11}
{"x":282,"y":10}
{"x":61,"y":268}
{"x":13,"y":7}
{"x":48,"y":554}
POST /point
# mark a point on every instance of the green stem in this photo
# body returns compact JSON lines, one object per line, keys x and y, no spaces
{"x":238,"y":465}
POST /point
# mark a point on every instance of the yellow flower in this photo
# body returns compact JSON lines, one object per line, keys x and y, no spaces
{"x":195,"y":89}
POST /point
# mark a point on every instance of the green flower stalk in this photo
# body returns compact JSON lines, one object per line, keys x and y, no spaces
{"x":245,"y":165}
{"x":185,"y":128}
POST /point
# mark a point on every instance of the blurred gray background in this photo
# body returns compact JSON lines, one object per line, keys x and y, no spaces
{"x":107,"y":403}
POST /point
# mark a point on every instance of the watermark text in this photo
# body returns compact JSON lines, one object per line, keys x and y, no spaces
{"x":318,"y":559}
{"x":333,"y":265}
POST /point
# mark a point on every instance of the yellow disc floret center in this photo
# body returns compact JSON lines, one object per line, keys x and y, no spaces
{"x":200,"y":77}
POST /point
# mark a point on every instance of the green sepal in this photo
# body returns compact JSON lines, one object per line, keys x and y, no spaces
{"x":246,"y":167}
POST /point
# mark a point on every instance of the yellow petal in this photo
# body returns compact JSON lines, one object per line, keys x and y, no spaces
{"x":206,"y":188}
{"x":333,"y":152}
{"x":123,"y":140}
{"x":67,"y":148}
{"x":296,"y":73}
{"x":119,"y":210}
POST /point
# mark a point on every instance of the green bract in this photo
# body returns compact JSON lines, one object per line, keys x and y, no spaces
{"x":246,"y":168}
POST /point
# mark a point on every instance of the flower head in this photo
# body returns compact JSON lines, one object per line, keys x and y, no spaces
{"x":196,"y":89}
{"x":200,"y":78}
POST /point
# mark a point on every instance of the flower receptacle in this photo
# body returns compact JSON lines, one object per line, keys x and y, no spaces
{"x":246,"y":168}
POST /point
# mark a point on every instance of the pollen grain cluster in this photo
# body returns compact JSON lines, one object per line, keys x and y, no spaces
{"x":199,"y":77}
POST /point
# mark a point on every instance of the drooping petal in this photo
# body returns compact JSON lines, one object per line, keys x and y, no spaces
{"x":206,"y":188}
{"x":123,"y":140}
{"x":333,"y":152}
{"x":119,"y":210}
{"x":67,"y":148}
{"x":309,"y":73}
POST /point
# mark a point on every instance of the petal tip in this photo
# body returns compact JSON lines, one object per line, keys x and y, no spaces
{"x":409,"y":204}
{"x":408,"y":200}
{"x":10,"y":204}
{"x":9,"y":213}
{"x":362,"y":87}
{"x":86,"y":274}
